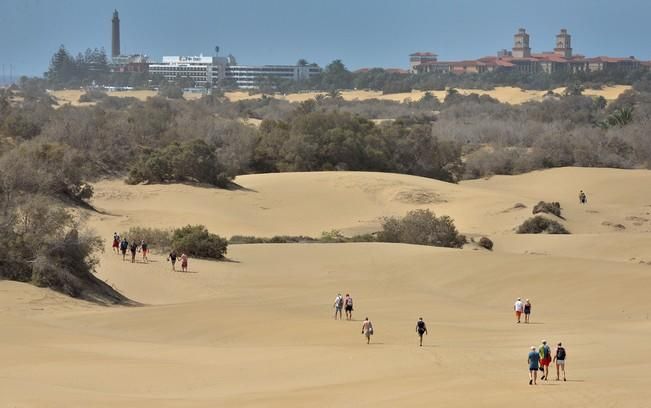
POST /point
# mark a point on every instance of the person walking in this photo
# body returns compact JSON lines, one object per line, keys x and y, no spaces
{"x":519,"y":308}
{"x":184,"y":262}
{"x":172,"y":258}
{"x":116,"y":243}
{"x":559,"y":360}
{"x":527,"y":310}
{"x":124,"y":245}
{"x":421,"y":328}
{"x":133,"y":248}
{"x":348,"y":304}
{"x":533,"y":361}
{"x":367,"y":330}
{"x":545,"y":359}
{"x":338,"y":305}
{"x":583,"y":199}
{"x":144,"y":248}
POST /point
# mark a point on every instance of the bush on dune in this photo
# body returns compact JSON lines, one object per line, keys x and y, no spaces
{"x":421,"y":227}
{"x":197,"y":241}
{"x":539,"y":225}
{"x":548,"y":208}
{"x":156,"y":238}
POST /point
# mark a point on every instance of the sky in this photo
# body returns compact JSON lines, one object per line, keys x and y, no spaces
{"x":362,"y":33}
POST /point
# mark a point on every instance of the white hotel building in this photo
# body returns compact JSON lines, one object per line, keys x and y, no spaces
{"x":210,"y":71}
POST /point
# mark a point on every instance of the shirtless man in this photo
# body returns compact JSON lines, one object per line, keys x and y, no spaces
{"x":367,"y":330}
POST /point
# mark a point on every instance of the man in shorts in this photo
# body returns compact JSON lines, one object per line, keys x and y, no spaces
{"x":145,"y":249}
{"x":172,"y":258}
{"x":533,"y":360}
{"x":338,"y":305}
{"x":421,"y":328}
{"x":348,"y":305}
{"x":124,"y":246}
{"x":545,"y":353}
{"x":133,"y":248}
{"x":519,"y":308}
{"x":559,"y":359}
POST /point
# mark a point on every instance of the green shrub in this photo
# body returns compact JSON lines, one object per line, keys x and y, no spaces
{"x":539,"y":225}
{"x":422,"y":227}
{"x":548,"y":208}
{"x":189,"y":161}
{"x":195,"y":240}
{"x":277,"y":239}
{"x":156,"y":238}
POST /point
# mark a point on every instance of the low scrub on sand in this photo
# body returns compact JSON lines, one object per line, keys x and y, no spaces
{"x":421,"y":227}
{"x":548,"y":208}
{"x":194,"y":240}
{"x":43,"y":245}
{"x":486,"y":242}
{"x":197,"y":241}
{"x":276,"y":239}
{"x":157,"y":239}
{"x":540,"y":225}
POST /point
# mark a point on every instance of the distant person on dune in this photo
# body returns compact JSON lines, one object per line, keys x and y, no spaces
{"x":545,"y":353}
{"x":124,"y":245}
{"x":145,"y":248}
{"x":116,"y":243}
{"x":172,"y":259}
{"x":133,"y":248}
{"x":527,"y":310}
{"x":348,"y":305}
{"x":421,"y":328}
{"x":519,"y":308}
{"x":533,"y":360}
{"x":559,"y":359}
{"x":184,"y":262}
{"x":367,"y":330}
{"x":583,"y":199}
{"x":338,"y":305}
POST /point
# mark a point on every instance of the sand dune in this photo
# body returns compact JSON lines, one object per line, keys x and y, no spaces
{"x":258,"y":332}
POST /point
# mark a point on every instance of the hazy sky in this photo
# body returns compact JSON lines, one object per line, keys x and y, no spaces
{"x":363,"y":33}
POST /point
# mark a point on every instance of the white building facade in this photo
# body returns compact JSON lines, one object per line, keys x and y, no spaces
{"x":210,"y":71}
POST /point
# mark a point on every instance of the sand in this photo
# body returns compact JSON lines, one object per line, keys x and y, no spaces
{"x":258,"y":331}
{"x":71,"y":96}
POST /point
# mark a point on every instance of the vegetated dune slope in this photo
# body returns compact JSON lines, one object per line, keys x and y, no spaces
{"x":258,"y":331}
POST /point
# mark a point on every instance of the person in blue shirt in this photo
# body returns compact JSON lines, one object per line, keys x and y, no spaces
{"x":534,"y":358}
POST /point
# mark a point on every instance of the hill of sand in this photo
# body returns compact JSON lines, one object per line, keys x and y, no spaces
{"x":258,"y":331}
{"x":71,"y":96}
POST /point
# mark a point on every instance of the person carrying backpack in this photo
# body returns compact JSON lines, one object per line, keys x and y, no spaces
{"x":559,"y":359}
{"x":421,"y":328}
{"x":348,"y":303}
{"x":545,"y":359}
{"x":124,"y":245}
{"x":338,"y":305}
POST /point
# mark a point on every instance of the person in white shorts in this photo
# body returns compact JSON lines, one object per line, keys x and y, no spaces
{"x":559,"y":359}
{"x":519,"y":308}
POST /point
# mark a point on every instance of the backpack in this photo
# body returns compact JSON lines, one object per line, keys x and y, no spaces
{"x":349,"y":301}
{"x":124,"y":245}
{"x":339,"y":302}
{"x":545,"y":351}
{"x":560,"y":354}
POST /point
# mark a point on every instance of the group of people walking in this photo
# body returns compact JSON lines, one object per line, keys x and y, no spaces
{"x":541,"y":358}
{"x":121,"y":246}
{"x":346,"y":303}
{"x":522,"y":308}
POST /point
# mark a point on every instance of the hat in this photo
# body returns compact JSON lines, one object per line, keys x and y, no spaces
{"x":533,"y":348}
